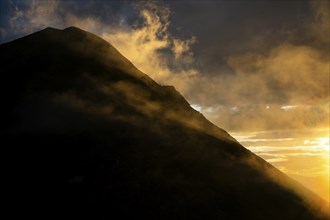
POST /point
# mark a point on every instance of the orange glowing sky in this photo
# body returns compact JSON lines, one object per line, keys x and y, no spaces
{"x":305,"y":159}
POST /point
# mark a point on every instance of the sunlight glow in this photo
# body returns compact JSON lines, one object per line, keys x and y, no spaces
{"x":324,"y":141}
{"x":301,"y":154}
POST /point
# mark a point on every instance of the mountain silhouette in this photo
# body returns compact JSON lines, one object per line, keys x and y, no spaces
{"x":86,"y":135}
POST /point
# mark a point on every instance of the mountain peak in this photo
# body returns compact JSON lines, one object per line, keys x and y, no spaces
{"x":73,"y":28}
{"x":68,"y":29}
{"x":50,"y":29}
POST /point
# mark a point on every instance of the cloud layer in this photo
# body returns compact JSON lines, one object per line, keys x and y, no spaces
{"x":251,"y":89}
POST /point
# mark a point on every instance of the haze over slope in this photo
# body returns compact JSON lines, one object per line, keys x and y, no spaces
{"x":91,"y":134}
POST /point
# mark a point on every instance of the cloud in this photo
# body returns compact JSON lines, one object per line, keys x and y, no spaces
{"x":151,"y":47}
{"x":269,"y":117}
{"x":288,"y":72}
{"x":293,"y":72}
{"x":34,"y":15}
{"x":321,"y":22}
{"x":3,"y":33}
{"x":288,"y":75}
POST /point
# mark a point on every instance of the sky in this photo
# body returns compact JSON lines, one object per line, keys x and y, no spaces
{"x":254,"y":68}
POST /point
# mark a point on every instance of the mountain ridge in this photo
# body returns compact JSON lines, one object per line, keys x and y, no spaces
{"x":105,"y":136}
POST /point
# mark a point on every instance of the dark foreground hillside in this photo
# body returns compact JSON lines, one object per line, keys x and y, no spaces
{"x":88,"y":136}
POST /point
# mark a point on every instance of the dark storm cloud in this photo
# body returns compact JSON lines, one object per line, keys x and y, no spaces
{"x":226,"y":28}
{"x":255,"y":54}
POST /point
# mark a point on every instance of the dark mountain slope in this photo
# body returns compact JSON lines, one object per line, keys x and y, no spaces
{"x":89,"y":136}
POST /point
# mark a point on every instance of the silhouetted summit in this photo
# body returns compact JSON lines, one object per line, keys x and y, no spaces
{"x":89,"y":136}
